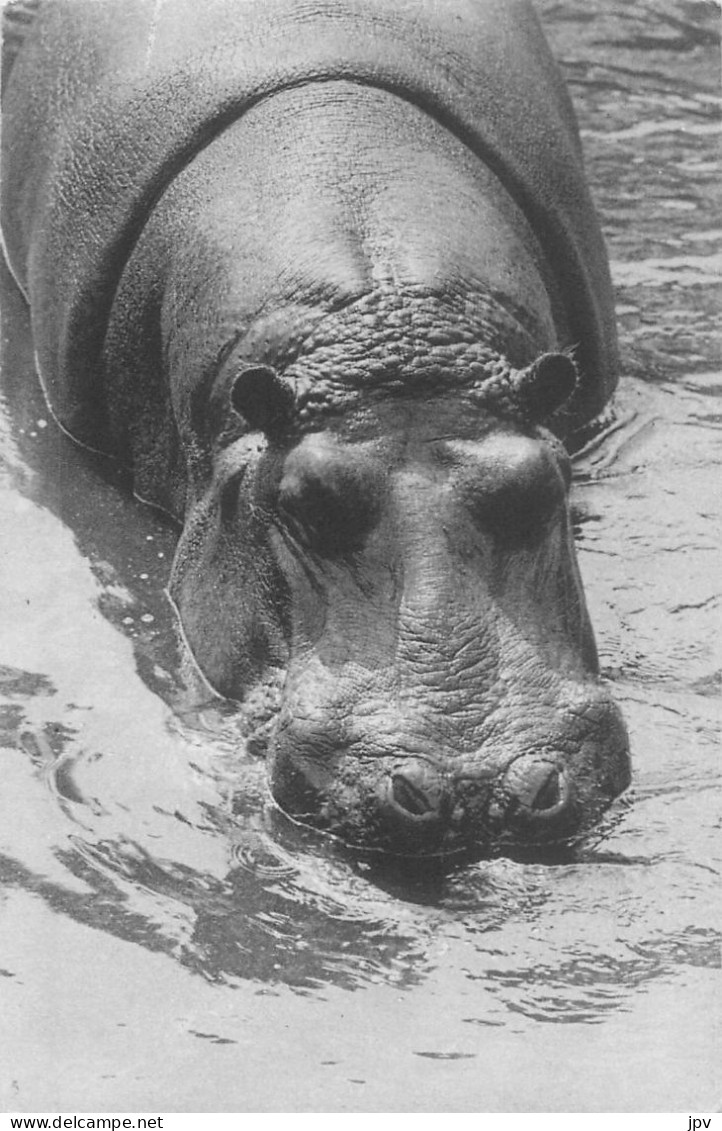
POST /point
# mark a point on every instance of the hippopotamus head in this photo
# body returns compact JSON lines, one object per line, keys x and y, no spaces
{"x":406,"y":560}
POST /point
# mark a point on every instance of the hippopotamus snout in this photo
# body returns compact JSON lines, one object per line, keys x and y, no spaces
{"x":447,"y":805}
{"x":419,"y":810}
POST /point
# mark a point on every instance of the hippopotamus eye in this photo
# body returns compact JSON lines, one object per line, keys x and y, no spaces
{"x":263,"y":399}
{"x":515,"y":489}
{"x":328,"y":498}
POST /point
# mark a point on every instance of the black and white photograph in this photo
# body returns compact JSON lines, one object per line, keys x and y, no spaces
{"x":360,"y":562}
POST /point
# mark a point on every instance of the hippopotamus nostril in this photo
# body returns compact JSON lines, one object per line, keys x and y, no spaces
{"x":416,"y":792}
{"x":550,"y":793}
{"x":409,"y":796}
{"x":538,"y":787}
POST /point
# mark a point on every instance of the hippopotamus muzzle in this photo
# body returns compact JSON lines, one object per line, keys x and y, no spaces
{"x":423,"y":806}
{"x":418,"y":810}
{"x":445,"y":805}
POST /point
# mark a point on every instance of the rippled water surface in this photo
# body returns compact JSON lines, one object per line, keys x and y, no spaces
{"x":165,"y":946}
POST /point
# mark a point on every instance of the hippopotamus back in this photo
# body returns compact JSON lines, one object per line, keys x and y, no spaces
{"x":109,"y":100}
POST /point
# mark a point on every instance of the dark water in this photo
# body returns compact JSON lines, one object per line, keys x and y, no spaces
{"x":163,"y":947}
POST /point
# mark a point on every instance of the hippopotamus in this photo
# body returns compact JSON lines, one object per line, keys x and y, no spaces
{"x":327,"y":277}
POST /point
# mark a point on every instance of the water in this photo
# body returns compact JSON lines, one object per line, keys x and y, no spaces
{"x":165,"y":946}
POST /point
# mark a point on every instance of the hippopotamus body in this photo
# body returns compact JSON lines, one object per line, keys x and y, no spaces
{"x":327,"y":276}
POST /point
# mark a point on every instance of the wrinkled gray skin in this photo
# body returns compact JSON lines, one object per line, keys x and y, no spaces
{"x":326,"y":333}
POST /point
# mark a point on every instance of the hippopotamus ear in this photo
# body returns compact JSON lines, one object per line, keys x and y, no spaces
{"x":545,"y":385}
{"x":263,"y":398}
